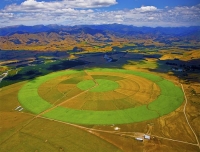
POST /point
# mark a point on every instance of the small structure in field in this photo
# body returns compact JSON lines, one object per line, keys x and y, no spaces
{"x":140,"y":139}
{"x":116,"y":128}
{"x":147,"y":137}
{"x":18,"y":108}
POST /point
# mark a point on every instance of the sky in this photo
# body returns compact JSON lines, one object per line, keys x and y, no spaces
{"x":152,"y":13}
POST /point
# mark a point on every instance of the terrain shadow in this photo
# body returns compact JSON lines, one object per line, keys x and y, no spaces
{"x":186,"y":71}
{"x":114,"y":59}
{"x":31,"y":72}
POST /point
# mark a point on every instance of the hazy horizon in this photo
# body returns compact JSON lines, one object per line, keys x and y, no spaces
{"x":150,"y":13}
{"x":99,"y":25}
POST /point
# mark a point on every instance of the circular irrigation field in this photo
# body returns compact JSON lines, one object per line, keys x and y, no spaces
{"x":100,"y":96}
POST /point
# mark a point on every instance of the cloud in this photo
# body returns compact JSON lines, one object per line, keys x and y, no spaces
{"x":42,"y":6}
{"x":67,"y":4}
{"x":146,"y":8}
{"x":6,"y":15}
{"x":101,"y":3}
{"x":151,"y":18}
{"x":74,"y":12}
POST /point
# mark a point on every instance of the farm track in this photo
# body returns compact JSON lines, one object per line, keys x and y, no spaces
{"x":187,"y":118}
{"x":185,"y":142}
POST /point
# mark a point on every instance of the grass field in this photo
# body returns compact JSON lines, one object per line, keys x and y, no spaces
{"x":103,"y":85}
{"x":28,"y":95}
{"x":171,"y":98}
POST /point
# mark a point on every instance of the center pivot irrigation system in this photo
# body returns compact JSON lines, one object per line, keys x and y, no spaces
{"x":168,"y":100}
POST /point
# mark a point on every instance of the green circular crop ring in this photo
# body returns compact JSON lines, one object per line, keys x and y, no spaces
{"x":170,"y":98}
{"x":103,"y":85}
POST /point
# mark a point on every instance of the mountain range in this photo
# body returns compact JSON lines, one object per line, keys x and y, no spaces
{"x":60,"y":37}
{"x":119,"y":28}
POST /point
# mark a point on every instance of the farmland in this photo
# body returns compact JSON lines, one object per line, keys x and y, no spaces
{"x":137,"y":91}
{"x":99,"y":92}
{"x":169,"y":99}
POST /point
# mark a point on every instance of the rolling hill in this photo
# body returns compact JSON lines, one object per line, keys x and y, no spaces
{"x":92,"y":37}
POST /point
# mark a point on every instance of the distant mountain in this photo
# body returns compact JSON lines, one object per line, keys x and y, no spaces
{"x":91,"y":29}
{"x":94,"y":37}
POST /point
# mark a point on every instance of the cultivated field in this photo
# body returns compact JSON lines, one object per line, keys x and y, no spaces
{"x":99,"y":101}
{"x":104,"y":92}
{"x":169,"y":132}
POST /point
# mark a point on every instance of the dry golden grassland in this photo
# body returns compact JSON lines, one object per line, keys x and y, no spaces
{"x":47,"y":135}
{"x":10,"y":119}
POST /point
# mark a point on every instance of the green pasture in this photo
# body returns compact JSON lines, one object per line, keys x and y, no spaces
{"x":28,"y":95}
{"x":102,"y":85}
{"x":170,"y":99}
{"x":85,"y":85}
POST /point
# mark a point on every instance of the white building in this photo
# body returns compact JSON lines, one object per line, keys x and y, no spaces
{"x":147,"y":137}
